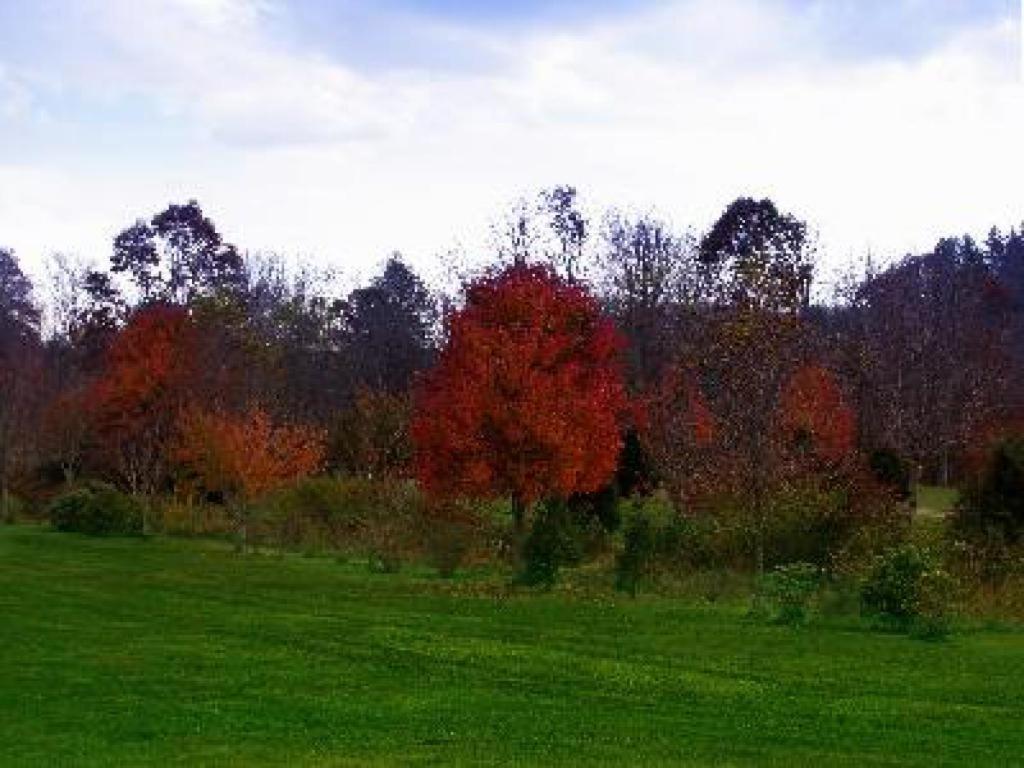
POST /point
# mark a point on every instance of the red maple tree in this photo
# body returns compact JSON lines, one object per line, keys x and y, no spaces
{"x":527,"y":399}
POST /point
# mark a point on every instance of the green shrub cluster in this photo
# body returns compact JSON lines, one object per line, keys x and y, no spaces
{"x":907,"y":589}
{"x":787,"y":591}
{"x":555,"y":541}
{"x":656,"y":539}
{"x":379,"y":519}
{"x":97,"y":509}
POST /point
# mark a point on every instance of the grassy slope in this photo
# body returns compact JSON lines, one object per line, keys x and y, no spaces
{"x":165,"y":652}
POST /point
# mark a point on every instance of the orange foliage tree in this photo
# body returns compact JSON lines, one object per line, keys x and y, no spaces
{"x":244,"y":457}
{"x":144,"y":384}
{"x":527,"y":399}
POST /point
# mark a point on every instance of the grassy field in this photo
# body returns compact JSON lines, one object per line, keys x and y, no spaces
{"x":175,"y":652}
{"x":936,"y":500}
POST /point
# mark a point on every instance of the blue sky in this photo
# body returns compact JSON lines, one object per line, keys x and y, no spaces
{"x":339,"y":131}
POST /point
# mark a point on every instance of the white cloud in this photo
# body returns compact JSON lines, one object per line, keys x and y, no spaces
{"x":682,"y":106}
{"x":15,"y":98}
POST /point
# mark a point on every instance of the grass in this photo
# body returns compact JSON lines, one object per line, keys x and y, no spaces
{"x":173,"y":652}
{"x":936,"y":500}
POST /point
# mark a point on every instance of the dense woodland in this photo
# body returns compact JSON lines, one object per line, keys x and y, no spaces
{"x":587,"y":362}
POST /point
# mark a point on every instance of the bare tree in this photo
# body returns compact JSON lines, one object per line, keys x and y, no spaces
{"x":647,"y":276}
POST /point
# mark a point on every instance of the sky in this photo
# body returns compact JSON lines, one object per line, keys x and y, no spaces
{"x":338,"y":131}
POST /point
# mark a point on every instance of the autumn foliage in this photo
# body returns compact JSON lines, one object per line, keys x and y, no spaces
{"x":527,"y":398}
{"x":144,"y":385}
{"x":678,"y":429}
{"x":148,"y":364}
{"x":815,"y":417}
{"x":245,"y":456}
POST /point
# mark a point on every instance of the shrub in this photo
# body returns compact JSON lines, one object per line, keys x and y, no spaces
{"x":453,"y":530}
{"x":935,"y":604}
{"x":907,"y":589}
{"x":555,"y":541}
{"x":992,"y":506}
{"x":656,"y":538}
{"x":786,"y":592}
{"x":638,"y":553}
{"x":822,"y":519}
{"x":376,"y":517}
{"x":96,"y":509}
{"x":806,"y":525}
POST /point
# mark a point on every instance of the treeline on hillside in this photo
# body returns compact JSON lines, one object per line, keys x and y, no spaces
{"x":189,"y":369}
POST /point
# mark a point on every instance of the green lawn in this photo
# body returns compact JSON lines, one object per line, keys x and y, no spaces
{"x":171,"y":652}
{"x":936,"y":500}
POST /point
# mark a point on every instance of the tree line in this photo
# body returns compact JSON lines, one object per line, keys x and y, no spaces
{"x":187,"y":365}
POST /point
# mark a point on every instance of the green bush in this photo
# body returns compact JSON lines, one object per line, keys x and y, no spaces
{"x":818,"y":519}
{"x":935,"y":604}
{"x":657,"y":539}
{"x":786,"y":592}
{"x":97,"y":509}
{"x":908,"y":590}
{"x":377,"y":517}
{"x":554,"y":541}
{"x":636,"y":560}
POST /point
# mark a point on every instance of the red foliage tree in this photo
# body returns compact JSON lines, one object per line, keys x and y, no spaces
{"x":244,"y":457}
{"x":527,"y":398}
{"x":815,"y":418}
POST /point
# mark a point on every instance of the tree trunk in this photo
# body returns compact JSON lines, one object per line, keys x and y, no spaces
{"x":518,"y":527}
{"x":145,"y":498}
{"x":915,"y":482}
{"x":5,"y":503}
{"x":241,"y":531}
{"x":518,"y":517}
{"x":759,"y":516}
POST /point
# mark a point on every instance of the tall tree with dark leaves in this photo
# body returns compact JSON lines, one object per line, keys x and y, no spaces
{"x":757,"y":257}
{"x":19,"y":316}
{"x":20,"y":372}
{"x":390,"y":328}
{"x":177,"y":256}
